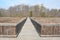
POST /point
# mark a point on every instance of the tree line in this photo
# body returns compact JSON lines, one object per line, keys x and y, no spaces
{"x":32,"y":11}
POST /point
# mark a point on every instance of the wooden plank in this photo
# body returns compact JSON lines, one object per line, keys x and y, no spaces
{"x":0,"y":30}
{"x":57,"y":30}
{"x":9,"y":30}
{"x":45,"y":30}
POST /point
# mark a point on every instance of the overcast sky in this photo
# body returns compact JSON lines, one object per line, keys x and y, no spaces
{"x":47,"y":3}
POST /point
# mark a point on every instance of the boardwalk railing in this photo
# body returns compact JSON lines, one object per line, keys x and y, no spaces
{"x":47,"y":29}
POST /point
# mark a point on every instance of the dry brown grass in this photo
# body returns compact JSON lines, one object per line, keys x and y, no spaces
{"x":47,"y":20}
{"x":9,"y":19}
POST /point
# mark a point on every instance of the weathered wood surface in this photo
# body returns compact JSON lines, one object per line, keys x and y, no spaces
{"x":10,"y":29}
{"x":51,"y":28}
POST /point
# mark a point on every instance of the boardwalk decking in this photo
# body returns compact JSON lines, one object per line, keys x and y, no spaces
{"x":28,"y":32}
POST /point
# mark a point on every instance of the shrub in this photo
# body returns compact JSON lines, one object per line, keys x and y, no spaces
{"x":30,"y":13}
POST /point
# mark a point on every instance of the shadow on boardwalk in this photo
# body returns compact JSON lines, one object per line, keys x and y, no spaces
{"x":37,"y":26}
{"x":19,"y":27}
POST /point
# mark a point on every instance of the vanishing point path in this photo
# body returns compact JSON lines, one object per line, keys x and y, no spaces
{"x":28,"y":32}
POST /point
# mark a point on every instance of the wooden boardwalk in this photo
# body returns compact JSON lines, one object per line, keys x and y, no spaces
{"x":28,"y":32}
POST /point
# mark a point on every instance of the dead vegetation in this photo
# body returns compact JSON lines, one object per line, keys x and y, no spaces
{"x":9,"y":19}
{"x":47,"y":20}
